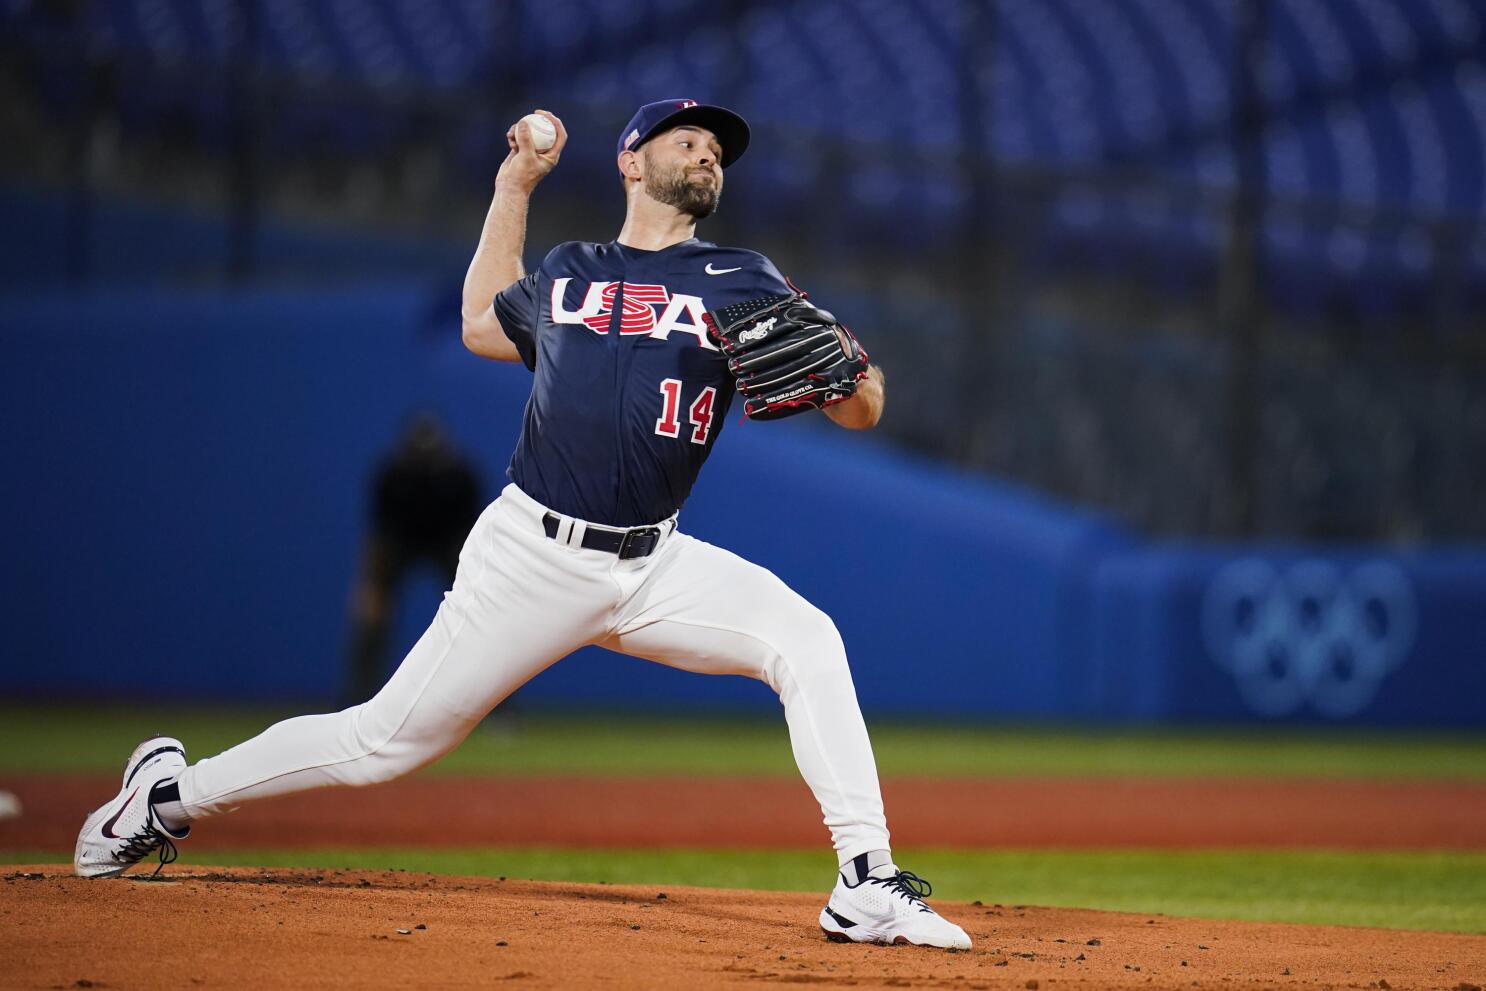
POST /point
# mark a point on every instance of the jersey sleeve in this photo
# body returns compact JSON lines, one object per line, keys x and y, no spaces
{"x":517,"y":306}
{"x":771,"y":282}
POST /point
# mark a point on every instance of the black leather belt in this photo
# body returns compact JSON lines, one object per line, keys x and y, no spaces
{"x":639,"y":542}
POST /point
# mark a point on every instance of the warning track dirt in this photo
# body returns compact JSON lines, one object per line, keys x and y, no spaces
{"x":779,"y":813}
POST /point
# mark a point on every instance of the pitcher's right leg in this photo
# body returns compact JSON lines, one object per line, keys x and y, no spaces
{"x":701,"y":608}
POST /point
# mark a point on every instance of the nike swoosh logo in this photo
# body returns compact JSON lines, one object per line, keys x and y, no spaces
{"x":721,"y":271}
{"x":108,"y":827}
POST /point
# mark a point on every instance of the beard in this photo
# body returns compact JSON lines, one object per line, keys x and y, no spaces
{"x":678,"y":189}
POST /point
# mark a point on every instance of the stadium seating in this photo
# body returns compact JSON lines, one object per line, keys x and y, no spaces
{"x":1382,"y":102}
{"x":1375,"y":105}
{"x":1109,"y":121}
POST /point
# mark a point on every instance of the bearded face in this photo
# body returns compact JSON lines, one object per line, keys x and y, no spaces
{"x":681,"y":183}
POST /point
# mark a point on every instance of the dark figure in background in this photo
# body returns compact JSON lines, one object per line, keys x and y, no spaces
{"x":426,"y":496}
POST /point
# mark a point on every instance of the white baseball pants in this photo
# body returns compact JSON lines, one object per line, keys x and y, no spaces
{"x":522,"y":601}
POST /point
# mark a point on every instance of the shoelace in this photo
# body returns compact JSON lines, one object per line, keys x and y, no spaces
{"x":138,"y":846}
{"x":907,"y":884}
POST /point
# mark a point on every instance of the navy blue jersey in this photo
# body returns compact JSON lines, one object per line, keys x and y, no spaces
{"x":630,"y":392}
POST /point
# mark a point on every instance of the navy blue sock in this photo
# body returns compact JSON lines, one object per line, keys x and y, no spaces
{"x":165,"y":799}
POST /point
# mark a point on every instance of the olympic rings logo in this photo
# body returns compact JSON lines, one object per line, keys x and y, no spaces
{"x":1308,"y":633}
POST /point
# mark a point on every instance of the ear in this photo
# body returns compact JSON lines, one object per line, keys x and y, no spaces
{"x":629,"y":165}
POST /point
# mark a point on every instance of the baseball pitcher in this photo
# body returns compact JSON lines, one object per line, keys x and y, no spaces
{"x":637,"y":348}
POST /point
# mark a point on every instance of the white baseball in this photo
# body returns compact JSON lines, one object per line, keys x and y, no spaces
{"x":543,"y":134}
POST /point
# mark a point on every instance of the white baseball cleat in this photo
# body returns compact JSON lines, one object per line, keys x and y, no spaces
{"x":124,"y":831}
{"x":888,"y":909}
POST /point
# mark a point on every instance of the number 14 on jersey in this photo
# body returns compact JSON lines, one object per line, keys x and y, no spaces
{"x":699,"y":413}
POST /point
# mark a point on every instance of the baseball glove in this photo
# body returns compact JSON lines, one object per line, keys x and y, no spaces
{"x":787,"y":355}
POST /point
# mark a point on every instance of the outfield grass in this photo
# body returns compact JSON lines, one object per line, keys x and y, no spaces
{"x":1429,"y":891}
{"x":39,"y":739}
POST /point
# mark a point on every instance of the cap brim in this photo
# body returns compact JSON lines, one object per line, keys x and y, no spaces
{"x":731,"y":130}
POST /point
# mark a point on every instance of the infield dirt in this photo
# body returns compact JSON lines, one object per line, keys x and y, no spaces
{"x":294,"y":929}
{"x":298,"y":929}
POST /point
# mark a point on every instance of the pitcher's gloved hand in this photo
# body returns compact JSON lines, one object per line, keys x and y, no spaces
{"x":787,"y":355}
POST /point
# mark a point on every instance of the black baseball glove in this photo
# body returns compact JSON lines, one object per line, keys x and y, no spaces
{"x":787,"y":355}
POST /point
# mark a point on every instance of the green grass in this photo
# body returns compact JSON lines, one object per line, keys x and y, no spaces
{"x":1424,"y":890}
{"x":41,"y":739}
{"x":1429,"y":891}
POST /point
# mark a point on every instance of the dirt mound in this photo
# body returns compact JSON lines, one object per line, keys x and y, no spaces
{"x":1171,"y":813}
{"x":295,"y":929}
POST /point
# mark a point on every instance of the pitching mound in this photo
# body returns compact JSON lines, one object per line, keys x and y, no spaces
{"x":294,"y":929}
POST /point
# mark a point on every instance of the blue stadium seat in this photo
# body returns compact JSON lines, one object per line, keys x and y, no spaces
{"x":1375,"y":105}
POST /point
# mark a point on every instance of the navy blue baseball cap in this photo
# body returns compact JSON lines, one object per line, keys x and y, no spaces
{"x":653,"y":118}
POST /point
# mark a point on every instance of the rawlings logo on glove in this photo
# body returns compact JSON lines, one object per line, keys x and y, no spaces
{"x":787,"y":355}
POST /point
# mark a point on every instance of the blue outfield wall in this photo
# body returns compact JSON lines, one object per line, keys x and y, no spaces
{"x":185,"y":490}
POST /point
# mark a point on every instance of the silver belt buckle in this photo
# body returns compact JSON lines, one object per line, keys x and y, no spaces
{"x":628,"y":541}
